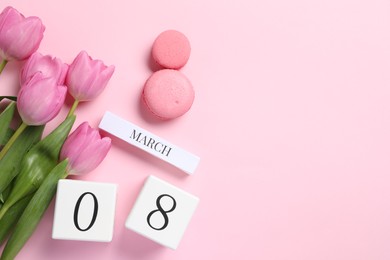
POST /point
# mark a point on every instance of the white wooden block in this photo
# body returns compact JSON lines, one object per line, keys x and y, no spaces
{"x":162,"y":212}
{"x":149,"y":142}
{"x":84,"y":211}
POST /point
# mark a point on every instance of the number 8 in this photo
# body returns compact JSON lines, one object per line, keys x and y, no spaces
{"x":163,"y":212}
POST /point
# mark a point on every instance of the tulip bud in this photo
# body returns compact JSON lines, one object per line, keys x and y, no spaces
{"x":19,"y":36}
{"x":85,"y":149}
{"x":87,"y":78}
{"x":40,"y":100}
{"x":49,"y":67}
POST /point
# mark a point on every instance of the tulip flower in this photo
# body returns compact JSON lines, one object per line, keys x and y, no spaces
{"x":40,"y":100}
{"x":85,"y":149}
{"x":87,"y":78}
{"x":19,"y":36}
{"x":49,"y":67}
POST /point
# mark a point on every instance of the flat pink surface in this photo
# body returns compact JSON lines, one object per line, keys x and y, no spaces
{"x":291,"y":120}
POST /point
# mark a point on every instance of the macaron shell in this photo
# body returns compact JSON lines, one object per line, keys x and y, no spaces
{"x":168,"y":94}
{"x":171,"y":49}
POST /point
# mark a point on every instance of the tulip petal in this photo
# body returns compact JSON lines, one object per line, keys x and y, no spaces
{"x":40,"y":100}
{"x":47,"y":65}
{"x":85,"y":149}
{"x":87,"y":78}
{"x":92,"y":156}
{"x":9,"y":17}
{"x":19,"y":36}
{"x":75,"y":142}
{"x":23,"y":39}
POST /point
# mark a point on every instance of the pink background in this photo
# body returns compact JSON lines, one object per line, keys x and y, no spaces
{"x":291,"y":120}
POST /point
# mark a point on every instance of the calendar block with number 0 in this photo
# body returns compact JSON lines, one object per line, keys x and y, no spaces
{"x":84,"y":211}
{"x":162,"y":212}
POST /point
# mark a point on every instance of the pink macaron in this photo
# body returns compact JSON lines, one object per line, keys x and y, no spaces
{"x":168,"y":94}
{"x":171,"y":49}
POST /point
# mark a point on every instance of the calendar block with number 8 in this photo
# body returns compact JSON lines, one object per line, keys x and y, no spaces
{"x":162,"y":212}
{"x":84,"y":211}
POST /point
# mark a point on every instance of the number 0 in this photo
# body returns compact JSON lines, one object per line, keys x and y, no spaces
{"x":76,"y":211}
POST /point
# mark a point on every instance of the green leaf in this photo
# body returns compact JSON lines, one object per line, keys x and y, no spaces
{"x":34,"y":211}
{"x":37,"y":163}
{"x":5,"y":120}
{"x":4,"y":195}
{"x":8,"y":135}
{"x":10,"y":164}
{"x":11,"y":217}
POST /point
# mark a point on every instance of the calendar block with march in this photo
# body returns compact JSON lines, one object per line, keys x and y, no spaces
{"x":162,"y":212}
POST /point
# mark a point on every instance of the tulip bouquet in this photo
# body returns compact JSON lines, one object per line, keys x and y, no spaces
{"x":30,"y":166}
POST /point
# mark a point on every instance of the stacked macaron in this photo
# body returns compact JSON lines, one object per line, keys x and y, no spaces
{"x":168,"y":93}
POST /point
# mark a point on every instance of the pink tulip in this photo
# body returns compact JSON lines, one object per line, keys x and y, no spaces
{"x":85,"y":149}
{"x":40,"y":99}
{"x":19,"y":36}
{"x":87,"y":78}
{"x":49,"y":67}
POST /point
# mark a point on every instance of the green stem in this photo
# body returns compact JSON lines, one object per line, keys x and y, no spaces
{"x":4,"y":209}
{"x":13,"y":138}
{"x":73,"y":108}
{"x":2,"y":65}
